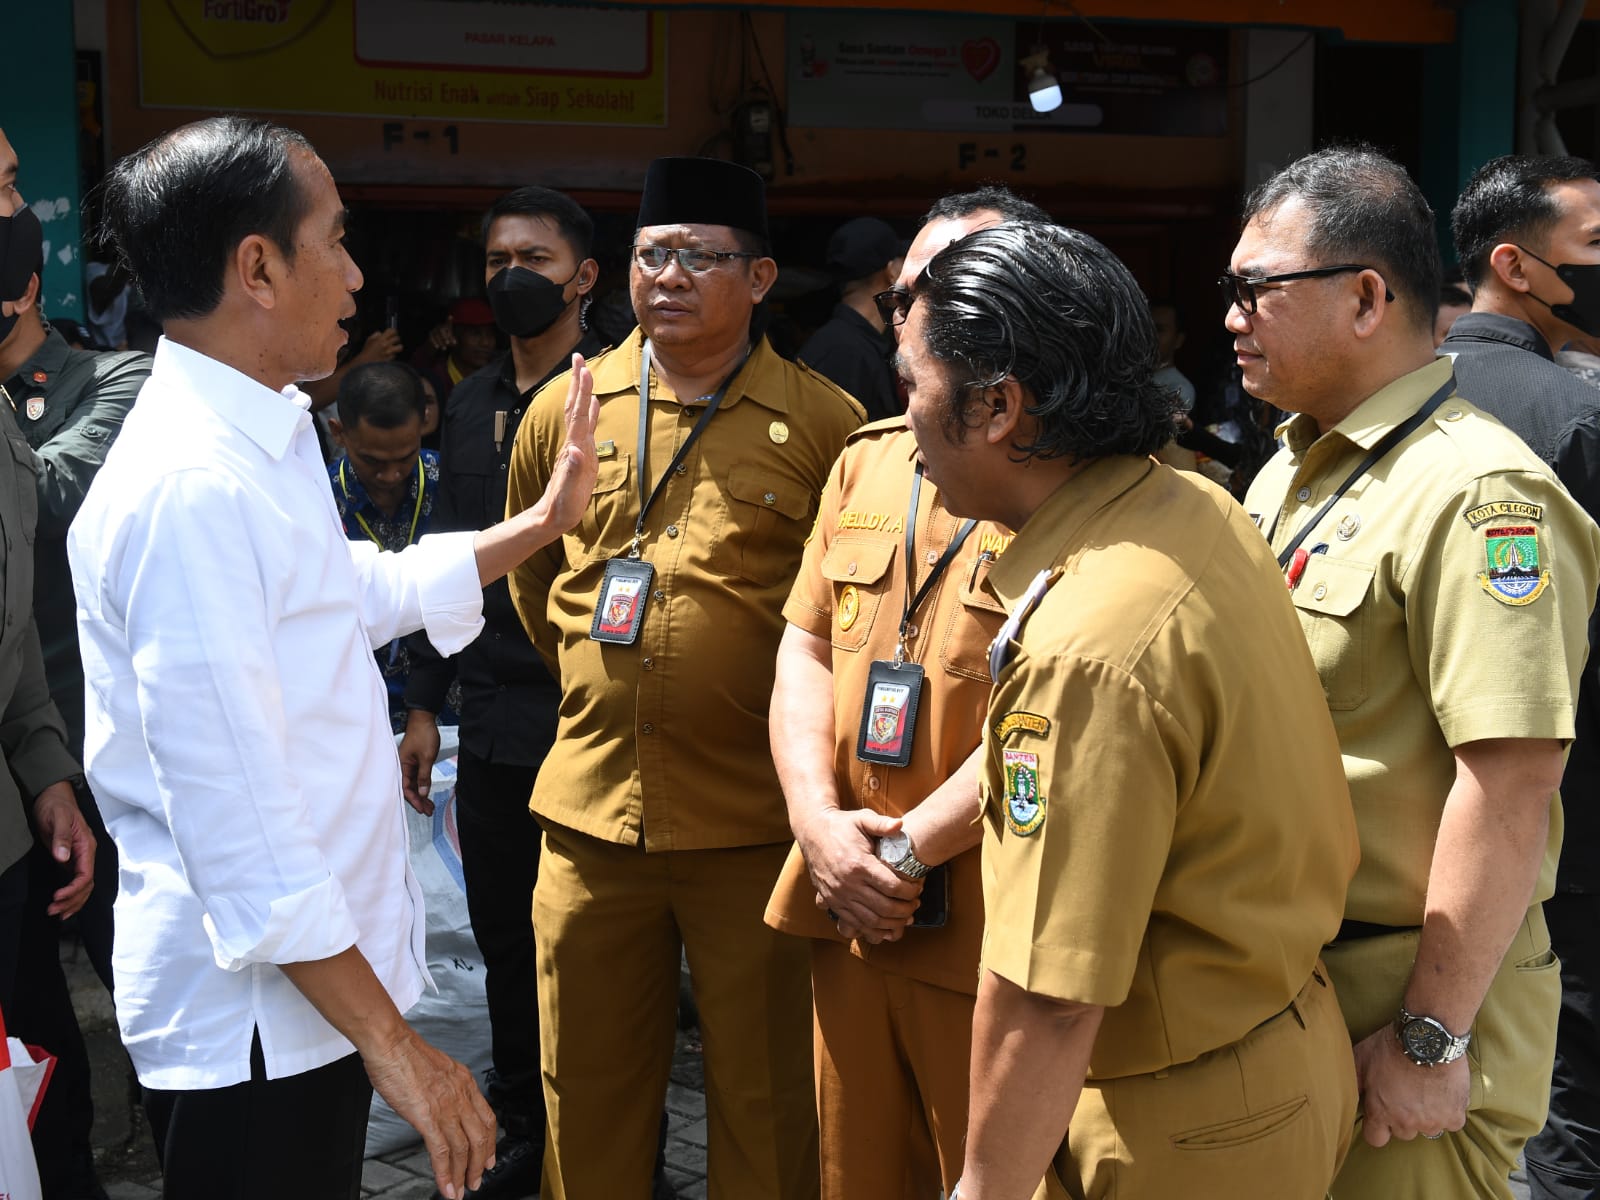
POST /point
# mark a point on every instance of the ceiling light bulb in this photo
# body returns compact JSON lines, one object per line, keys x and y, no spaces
{"x":1044,"y":91}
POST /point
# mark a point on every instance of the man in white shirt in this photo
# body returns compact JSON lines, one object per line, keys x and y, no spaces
{"x":269,"y":929}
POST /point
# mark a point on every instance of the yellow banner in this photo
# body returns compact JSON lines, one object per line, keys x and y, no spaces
{"x":467,"y":60}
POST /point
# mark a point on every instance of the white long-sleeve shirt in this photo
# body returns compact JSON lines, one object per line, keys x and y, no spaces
{"x":238,"y":736}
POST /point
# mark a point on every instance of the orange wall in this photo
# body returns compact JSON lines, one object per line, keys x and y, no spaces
{"x":881,"y":169}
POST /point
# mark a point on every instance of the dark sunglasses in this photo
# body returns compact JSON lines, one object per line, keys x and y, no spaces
{"x":893,"y":305}
{"x":1241,"y":289}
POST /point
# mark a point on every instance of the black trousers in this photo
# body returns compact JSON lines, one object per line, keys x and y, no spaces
{"x":1563,"y":1161}
{"x":500,"y":859}
{"x":300,"y":1136}
{"x":40,"y":1009}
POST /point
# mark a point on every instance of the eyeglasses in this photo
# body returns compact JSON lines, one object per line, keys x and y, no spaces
{"x":893,"y":305}
{"x":1241,"y":289}
{"x":697,"y":262}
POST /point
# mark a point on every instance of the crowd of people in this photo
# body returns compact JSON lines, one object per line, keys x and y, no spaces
{"x":1035,"y":818}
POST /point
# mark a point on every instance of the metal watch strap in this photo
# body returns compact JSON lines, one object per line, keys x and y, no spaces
{"x":909,"y":867}
{"x":1455,"y":1049}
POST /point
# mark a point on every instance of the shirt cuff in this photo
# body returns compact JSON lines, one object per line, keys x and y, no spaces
{"x":41,"y":760}
{"x":305,"y":926}
{"x":450,"y":591}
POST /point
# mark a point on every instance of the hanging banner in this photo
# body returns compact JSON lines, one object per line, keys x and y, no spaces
{"x":883,"y":71}
{"x":464,"y":60}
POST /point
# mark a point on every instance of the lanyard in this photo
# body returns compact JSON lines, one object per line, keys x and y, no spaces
{"x":647,"y":494}
{"x":362,"y":521}
{"x":1390,"y":440}
{"x":950,"y":551}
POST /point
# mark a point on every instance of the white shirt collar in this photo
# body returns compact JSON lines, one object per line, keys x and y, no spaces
{"x":269,"y":419}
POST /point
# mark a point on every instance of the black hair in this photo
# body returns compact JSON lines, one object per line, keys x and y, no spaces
{"x":1508,"y":200}
{"x":576,"y":226}
{"x":991,"y":196}
{"x":1364,"y":209}
{"x":385,"y":395}
{"x":1454,"y":293}
{"x":1057,"y":311}
{"x":178,"y":207}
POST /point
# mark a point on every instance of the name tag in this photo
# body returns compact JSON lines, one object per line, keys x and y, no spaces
{"x":889,"y":713}
{"x":619,"y":612}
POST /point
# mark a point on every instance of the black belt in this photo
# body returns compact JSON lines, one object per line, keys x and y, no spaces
{"x":1355,"y":931}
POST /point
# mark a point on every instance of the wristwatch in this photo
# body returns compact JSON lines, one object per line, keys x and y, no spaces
{"x":896,"y":851}
{"x":1427,"y":1042}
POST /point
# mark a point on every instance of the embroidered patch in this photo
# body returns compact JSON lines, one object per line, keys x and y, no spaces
{"x":1519,"y":509}
{"x":1512,"y":558}
{"x":1024,"y":804}
{"x":849,"y":606}
{"x":1019,"y":719}
{"x":35,"y":407}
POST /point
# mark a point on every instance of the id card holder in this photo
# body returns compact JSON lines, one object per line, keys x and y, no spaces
{"x":889,"y":713}
{"x":619,"y":613}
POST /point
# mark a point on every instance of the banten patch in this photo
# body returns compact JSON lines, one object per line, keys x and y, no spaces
{"x":1513,"y":575}
{"x":1024,"y":804}
{"x":1519,"y":509}
{"x":1018,"y":719}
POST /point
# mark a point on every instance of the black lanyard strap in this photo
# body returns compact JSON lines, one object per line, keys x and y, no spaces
{"x":647,"y":494}
{"x":1390,"y":440}
{"x":913,"y":600}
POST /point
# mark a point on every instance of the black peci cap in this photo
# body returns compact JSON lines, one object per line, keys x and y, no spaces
{"x":704,"y":191}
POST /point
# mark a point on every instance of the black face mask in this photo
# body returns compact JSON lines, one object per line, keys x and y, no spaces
{"x":1584,"y":280}
{"x":21,"y":257}
{"x":525,"y":303}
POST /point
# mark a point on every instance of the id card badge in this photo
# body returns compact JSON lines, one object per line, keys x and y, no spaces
{"x":619,"y":613}
{"x":889,"y":713}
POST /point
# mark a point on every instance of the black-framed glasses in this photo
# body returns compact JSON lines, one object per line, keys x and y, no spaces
{"x":893,"y":305}
{"x":696,"y":262}
{"x":1241,"y":289}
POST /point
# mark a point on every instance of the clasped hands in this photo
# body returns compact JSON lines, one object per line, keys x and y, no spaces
{"x":865,"y":899}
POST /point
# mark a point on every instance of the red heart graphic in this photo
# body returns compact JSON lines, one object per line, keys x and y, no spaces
{"x":980,"y":56}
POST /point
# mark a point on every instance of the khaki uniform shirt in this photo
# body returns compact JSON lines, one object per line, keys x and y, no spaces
{"x":1168,"y":833}
{"x":667,"y":738}
{"x":852,"y":591}
{"x":1422,"y":642}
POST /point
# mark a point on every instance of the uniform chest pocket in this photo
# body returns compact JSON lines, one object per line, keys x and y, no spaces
{"x":607,"y":524}
{"x":27,"y":486}
{"x":766,"y":524}
{"x":1331,"y":600}
{"x":973,"y":624}
{"x":858,"y":569}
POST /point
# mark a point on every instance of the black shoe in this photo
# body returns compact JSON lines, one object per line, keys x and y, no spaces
{"x":515,"y":1174}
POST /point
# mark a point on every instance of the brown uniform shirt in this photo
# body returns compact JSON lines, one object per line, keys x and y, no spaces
{"x":852,"y":591}
{"x":668,"y":736}
{"x":1420,"y":649}
{"x":1168,"y":832}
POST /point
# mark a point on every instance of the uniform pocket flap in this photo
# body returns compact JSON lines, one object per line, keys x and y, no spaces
{"x":1332,"y":587}
{"x":755,"y":486}
{"x":612,"y":475}
{"x":857,"y":560}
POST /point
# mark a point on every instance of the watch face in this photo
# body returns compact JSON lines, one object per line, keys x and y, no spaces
{"x":893,"y":847}
{"x":1424,"y":1040}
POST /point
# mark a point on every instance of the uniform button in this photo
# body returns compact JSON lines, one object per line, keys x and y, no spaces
{"x":1319,"y":591}
{"x":516,"y":412}
{"x":648,"y":728}
{"x":649,"y":664}
{"x":683,"y":468}
{"x":502,"y":466}
{"x":497,"y":637}
{"x":874,"y":782}
{"x":1303,"y":495}
{"x":1455,"y":414}
{"x":850,"y":570}
{"x":770,"y":498}
{"x":672,"y":531}
{"x":659,"y":594}
{"x":911,"y":630}
{"x":930,"y":558}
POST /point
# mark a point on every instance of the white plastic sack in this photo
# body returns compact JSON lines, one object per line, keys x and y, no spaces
{"x":456,"y":1018}
{"x":24,"y":1072}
